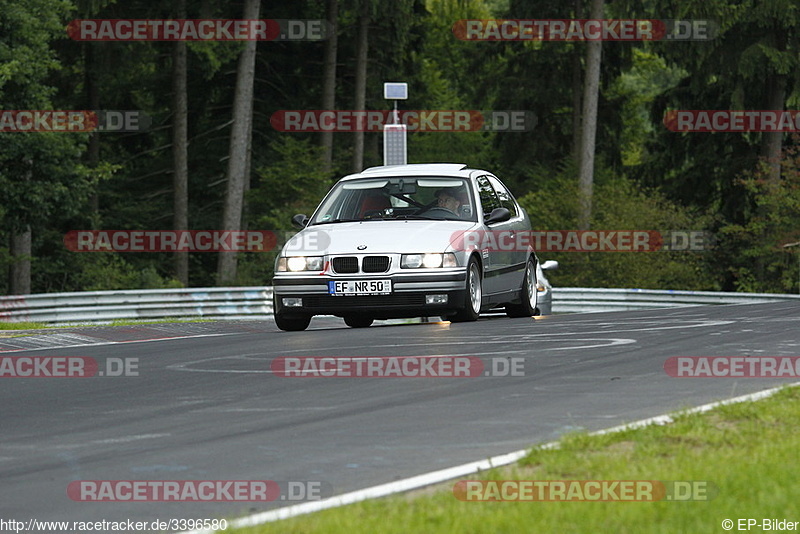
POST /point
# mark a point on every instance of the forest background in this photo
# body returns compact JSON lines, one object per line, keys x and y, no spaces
{"x":212,"y":160}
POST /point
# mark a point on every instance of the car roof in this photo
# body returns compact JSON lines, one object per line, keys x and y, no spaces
{"x":416,"y":169}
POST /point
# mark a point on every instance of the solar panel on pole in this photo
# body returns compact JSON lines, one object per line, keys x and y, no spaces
{"x":395,"y":146}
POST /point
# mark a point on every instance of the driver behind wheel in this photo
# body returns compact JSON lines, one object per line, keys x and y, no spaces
{"x":449,"y":200}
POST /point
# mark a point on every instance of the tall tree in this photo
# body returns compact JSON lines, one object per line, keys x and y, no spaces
{"x":772,"y":142}
{"x":38,"y":174}
{"x":93,"y":57}
{"x":591,"y":89}
{"x":576,"y":93}
{"x":362,"y":50}
{"x":238,"y":146}
{"x":180,"y":148}
{"x":19,"y":272}
{"x":741,"y":68}
{"x":329,"y":81}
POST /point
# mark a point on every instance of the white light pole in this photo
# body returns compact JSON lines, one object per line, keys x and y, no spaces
{"x":395,"y":147}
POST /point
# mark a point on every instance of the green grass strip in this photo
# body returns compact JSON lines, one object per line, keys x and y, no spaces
{"x":747,"y":453}
{"x":22,"y":326}
{"x":117,"y":322}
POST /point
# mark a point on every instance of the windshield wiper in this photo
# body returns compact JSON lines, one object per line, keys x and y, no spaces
{"x":418,"y":217}
{"x":334,"y":221}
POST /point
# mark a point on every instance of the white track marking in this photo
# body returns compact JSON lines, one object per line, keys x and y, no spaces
{"x":444,"y":475}
{"x":100,"y":343}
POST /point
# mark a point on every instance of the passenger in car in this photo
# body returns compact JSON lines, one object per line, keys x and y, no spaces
{"x":373,"y":203}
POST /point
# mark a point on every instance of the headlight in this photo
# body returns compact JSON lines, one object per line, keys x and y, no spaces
{"x":429,"y":261}
{"x":299,"y":263}
{"x":432,"y":260}
{"x":411,"y":261}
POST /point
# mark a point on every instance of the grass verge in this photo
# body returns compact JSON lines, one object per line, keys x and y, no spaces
{"x":746,"y":452}
{"x":117,"y":322}
{"x":140,"y":322}
{"x":22,"y":326}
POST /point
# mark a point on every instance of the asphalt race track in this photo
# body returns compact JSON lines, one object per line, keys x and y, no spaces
{"x":206,"y":406}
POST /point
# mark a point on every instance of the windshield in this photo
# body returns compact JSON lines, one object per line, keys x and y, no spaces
{"x":407,"y":197}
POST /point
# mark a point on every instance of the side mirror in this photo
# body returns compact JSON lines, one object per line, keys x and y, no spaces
{"x":498,"y":215}
{"x":300,"y":221}
{"x":550,"y":265}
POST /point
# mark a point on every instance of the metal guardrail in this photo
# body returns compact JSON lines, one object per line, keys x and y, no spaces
{"x":207,"y":302}
{"x":584,"y":300}
{"x":230,"y":302}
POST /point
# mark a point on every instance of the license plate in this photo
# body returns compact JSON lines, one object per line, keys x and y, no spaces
{"x":359,"y":287}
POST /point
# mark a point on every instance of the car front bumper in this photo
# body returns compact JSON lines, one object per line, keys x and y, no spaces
{"x":407,"y":299}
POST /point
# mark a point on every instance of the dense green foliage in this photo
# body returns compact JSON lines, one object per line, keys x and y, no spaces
{"x":646,"y":177}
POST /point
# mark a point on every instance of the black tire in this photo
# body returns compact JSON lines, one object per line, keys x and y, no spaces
{"x":293,"y":323}
{"x":472,"y":296}
{"x":529,"y":296}
{"x":358,"y":322}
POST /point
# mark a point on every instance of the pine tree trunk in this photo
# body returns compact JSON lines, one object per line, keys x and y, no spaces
{"x":237,"y":152}
{"x":591,"y":88}
{"x":19,"y":272}
{"x":329,"y":83}
{"x":576,"y":93}
{"x":772,"y":142}
{"x":361,"y":80}
{"x":180,"y":148}
{"x":93,"y":103}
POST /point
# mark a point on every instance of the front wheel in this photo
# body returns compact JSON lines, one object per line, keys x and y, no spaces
{"x":292,"y":324}
{"x":529,"y":295}
{"x":358,"y":322}
{"x":473,"y":295}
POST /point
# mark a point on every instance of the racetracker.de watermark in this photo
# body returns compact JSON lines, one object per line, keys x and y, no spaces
{"x":733,"y":366}
{"x":584,"y":490}
{"x":443,"y":120}
{"x":198,"y":490}
{"x":395,"y":367}
{"x":581,"y":240}
{"x":191,"y":240}
{"x":122,"y":525}
{"x":584,"y":30}
{"x":199,"y":29}
{"x":720,"y":120}
{"x":73,"y":121}
{"x":66,"y":367}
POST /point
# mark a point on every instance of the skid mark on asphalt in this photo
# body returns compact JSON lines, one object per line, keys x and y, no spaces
{"x":216,"y":365}
{"x":511,"y":344}
{"x":108,"y":441}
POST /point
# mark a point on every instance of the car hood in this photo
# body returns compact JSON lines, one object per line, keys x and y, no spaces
{"x":379,"y":237}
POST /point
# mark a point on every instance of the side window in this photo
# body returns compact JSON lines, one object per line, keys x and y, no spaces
{"x":506,"y":200}
{"x":489,"y":199}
